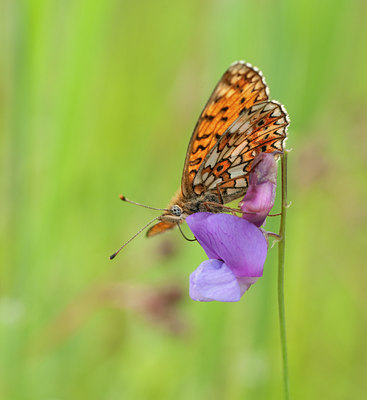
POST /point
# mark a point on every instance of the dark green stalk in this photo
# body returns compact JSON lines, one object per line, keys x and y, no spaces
{"x":281,"y":257}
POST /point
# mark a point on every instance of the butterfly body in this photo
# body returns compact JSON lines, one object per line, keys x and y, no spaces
{"x":181,"y":207}
{"x":237,"y":123}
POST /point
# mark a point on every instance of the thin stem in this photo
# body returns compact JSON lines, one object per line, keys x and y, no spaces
{"x":281,"y":257}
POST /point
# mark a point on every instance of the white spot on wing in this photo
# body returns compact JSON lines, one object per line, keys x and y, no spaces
{"x":276,"y":113}
{"x":244,"y":127}
{"x":212,"y":160}
{"x":269,"y":106}
{"x":197,"y":180}
{"x":230,"y":92}
{"x":225,"y":152}
{"x":209,"y":180}
{"x":240,"y":183}
{"x":236,"y":161}
{"x":222,"y":89}
{"x":256,"y":107}
{"x":236,"y":171}
{"x":215,"y":183}
{"x":231,"y":191}
{"x":238,"y":150}
{"x":280,"y":121}
{"x":236,"y":125}
{"x":250,"y":74}
{"x":258,"y":84}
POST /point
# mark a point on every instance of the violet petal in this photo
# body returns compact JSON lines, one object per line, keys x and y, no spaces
{"x":260,"y":195}
{"x":237,"y":242}
{"x":213,"y":280}
{"x":258,"y":202}
{"x":265,"y":169}
{"x":245,"y":283}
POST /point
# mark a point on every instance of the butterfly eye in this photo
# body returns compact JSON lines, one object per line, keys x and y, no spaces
{"x":176,"y":210}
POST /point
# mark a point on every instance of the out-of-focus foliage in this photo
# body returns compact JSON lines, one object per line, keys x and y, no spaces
{"x":99,"y":98}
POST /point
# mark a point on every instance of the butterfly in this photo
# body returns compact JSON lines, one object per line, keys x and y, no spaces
{"x":237,"y":123}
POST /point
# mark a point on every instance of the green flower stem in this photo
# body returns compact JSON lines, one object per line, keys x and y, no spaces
{"x":281,"y":256}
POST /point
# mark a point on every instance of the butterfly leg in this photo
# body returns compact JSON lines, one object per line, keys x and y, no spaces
{"x":207,"y":204}
{"x":221,"y":187}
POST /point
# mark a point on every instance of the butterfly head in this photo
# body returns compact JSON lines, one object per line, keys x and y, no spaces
{"x":181,"y":207}
{"x":174,"y":214}
{"x":176,"y":210}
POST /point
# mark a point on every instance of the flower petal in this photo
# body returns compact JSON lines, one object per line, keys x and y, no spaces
{"x":245,"y":283}
{"x":258,"y":202}
{"x":240,"y":244}
{"x":213,"y":280}
{"x":260,"y":195}
{"x":198,"y":223}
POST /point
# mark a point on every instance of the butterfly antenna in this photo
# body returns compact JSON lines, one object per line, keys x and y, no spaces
{"x":112,"y":256}
{"x":123,"y":198}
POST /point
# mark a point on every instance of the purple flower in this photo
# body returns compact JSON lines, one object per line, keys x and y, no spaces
{"x":236,"y":247}
{"x":260,"y":195}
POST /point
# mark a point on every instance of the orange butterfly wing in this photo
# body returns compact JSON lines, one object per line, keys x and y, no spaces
{"x":225,"y":170}
{"x":240,"y":87}
{"x":159,"y":228}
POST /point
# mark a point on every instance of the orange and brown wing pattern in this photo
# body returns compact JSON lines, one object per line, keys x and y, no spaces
{"x":240,"y":87}
{"x":225,"y":170}
{"x":159,"y":228}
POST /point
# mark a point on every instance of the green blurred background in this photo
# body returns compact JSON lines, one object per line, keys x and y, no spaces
{"x":99,"y":98}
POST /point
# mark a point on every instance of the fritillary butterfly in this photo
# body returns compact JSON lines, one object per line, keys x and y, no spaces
{"x":237,"y":123}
